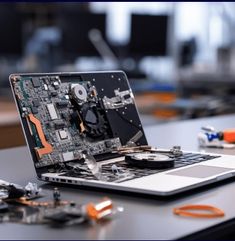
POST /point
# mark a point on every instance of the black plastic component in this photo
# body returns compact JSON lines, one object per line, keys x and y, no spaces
{"x":56,"y":87}
{"x":60,"y":217}
{"x":62,"y":104}
{"x":93,"y":119}
{"x":54,"y":93}
{"x":36,"y":82}
{"x":108,"y":144}
{"x":64,"y":115}
{"x":3,"y":207}
{"x":36,"y":103}
{"x":59,"y":124}
{"x":15,"y":191}
{"x":34,"y":110}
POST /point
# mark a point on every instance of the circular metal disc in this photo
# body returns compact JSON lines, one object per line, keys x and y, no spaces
{"x":149,"y":160}
{"x":79,"y":93}
{"x":150,"y":157}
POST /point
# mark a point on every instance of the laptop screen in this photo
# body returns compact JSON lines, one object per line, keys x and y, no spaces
{"x":65,"y":115}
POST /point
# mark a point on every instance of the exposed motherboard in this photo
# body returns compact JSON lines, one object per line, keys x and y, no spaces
{"x":66,"y":115}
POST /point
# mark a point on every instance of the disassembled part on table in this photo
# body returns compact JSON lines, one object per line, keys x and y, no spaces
{"x":11,"y":190}
{"x":18,"y":206}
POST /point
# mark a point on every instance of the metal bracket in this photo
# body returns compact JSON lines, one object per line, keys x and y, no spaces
{"x":120,"y":99}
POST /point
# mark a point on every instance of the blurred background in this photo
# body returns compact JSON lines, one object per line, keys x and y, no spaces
{"x":179,"y":57}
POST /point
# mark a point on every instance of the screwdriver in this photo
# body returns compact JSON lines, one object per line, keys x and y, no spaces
{"x":227,"y":135}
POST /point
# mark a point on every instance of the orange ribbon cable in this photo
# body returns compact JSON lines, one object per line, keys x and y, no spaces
{"x":211,"y":211}
{"x":47,"y":147}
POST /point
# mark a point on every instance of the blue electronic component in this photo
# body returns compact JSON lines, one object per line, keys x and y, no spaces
{"x":212,"y":136}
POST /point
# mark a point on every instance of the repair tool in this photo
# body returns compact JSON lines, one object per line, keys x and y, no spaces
{"x":218,"y":139}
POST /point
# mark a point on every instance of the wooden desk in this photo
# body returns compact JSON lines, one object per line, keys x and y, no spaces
{"x":144,"y":217}
{"x":10,"y":128}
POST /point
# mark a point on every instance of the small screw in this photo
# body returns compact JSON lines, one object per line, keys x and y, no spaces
{"x":56,"y":194}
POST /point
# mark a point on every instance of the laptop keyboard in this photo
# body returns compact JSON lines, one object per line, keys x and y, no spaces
{"x":121,"y":171}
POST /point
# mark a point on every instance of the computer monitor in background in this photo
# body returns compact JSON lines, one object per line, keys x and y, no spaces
{"x":11,"y":29}
{"x":75,"y":29}
{"x":148,"y":35}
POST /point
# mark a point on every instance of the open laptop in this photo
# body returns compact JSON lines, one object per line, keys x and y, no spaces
{"x":75,"y":125}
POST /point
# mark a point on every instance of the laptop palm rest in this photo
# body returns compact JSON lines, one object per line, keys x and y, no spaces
{"x":200,"y":171}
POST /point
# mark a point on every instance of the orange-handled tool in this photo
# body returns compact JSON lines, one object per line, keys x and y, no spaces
{"x":228,"y":135}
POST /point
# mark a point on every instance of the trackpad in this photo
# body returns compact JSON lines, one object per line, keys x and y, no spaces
{"x":200,"y":171}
